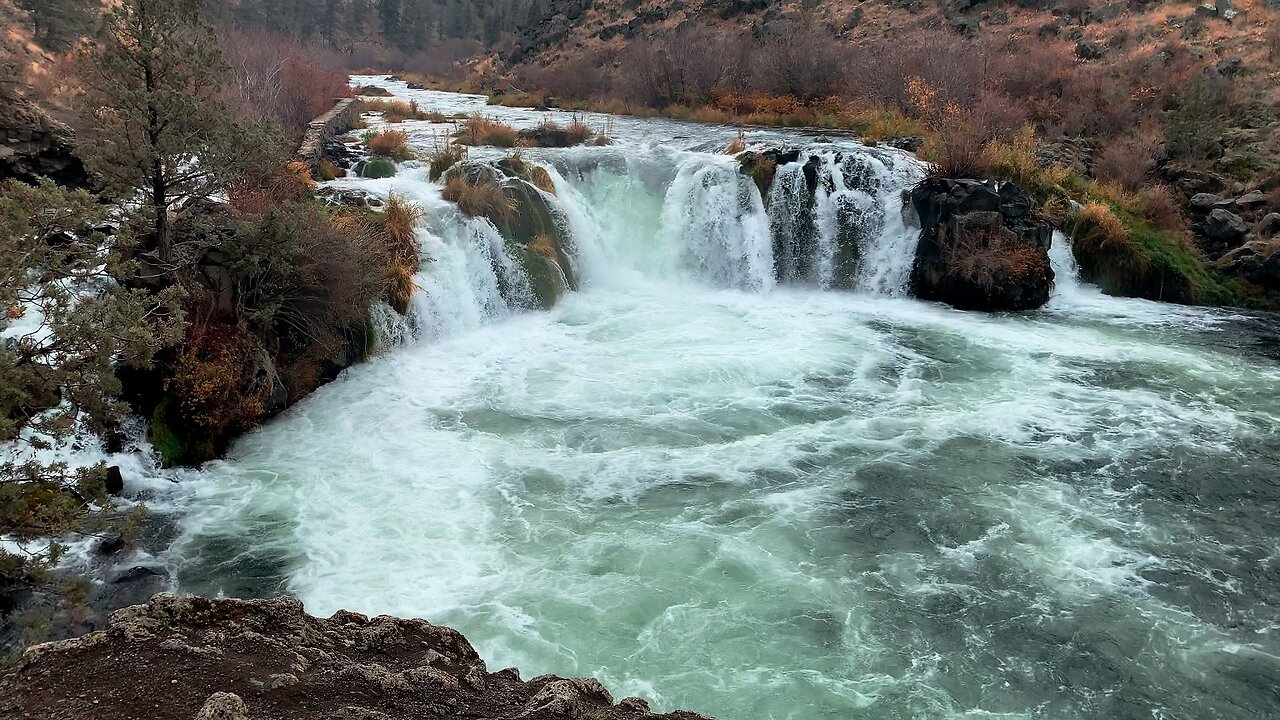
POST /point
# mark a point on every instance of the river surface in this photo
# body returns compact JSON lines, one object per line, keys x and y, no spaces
{"x":766,"y":499}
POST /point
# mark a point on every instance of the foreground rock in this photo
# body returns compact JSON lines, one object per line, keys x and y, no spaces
{"x":981,"y":248}
{"x":183,"y":658}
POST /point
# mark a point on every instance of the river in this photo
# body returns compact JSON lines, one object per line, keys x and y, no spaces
{"x":763,"y":498}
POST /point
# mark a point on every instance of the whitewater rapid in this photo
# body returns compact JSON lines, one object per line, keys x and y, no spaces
{"x":757,"y":497}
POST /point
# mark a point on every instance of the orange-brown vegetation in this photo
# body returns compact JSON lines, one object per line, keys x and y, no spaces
{"x":392,"y":144}
{"x":480,"y":130}
{"x":479,"y":198}
{"x":992,"y":257}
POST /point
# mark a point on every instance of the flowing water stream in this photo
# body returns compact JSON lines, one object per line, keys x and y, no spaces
{"x":798,"y":494}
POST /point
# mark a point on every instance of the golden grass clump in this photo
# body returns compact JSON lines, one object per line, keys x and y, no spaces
{"x":541,"y":179}
{"x":1017,"y":161}
{"x":399,"y":223}
{"x":479,"y":130}
{"x":483,"y":198}
{"x":445,"y":158}
{"x":737,"y":145}
{"x":326,"y":170}
{"x":579,"y":132}
{"x":392,"y":144}
{"x":545,"y":246}
{"x":1099,"y":224}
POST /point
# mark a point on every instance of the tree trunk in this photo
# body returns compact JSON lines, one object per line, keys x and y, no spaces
{"x":160,"y":203}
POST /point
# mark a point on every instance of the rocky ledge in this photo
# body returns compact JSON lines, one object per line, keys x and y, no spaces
{"x":185,"y":657}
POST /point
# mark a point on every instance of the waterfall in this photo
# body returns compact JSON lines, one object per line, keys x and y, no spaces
{"x":832,"y":218}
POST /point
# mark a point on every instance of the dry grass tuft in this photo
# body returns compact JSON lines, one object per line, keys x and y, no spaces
{"x":399,"y":224}
{"x":545,"y":246}
{"x":737,"y":145}
{"x":992,"y":257}
{"x":541,"y":179}
{"x":392,"y":144}
{"x":479,"y":199}
{"x":445,"y":158}
{"x":479,"y":130}
{"x":579,"y":132}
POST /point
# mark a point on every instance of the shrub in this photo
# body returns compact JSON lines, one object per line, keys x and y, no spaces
{"x":285,"y":184}
{"x":379,"y":168}
{"x":479,"y":130}
{"x":277,"y":78}
{"x":1161,"y":208}
{"x":956,"y":152}
{"x":214,"y":384}
{"x":481,"y":198}
{"x":992,"y":258}
{"x":1128,"y":160}
{"x":445,"y":158}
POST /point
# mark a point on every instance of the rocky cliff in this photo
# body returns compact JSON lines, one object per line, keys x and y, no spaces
{"x":186,"y":657}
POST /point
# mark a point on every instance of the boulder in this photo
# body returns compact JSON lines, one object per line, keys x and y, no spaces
{"x":1268,"y":226}
{"x":1089,"y":50}
{"x":1252,"y":199}
{"x":534,"y":236}
{"x":114,"y":481}
{"x":1221,"y":231}
{"x":223,"y":706}
{"x":1257,"y":261}
{"x":981,"y":246}
{"x":1204,"y":202}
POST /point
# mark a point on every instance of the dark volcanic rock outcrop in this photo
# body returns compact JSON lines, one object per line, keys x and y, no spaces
{"x":981,"y":247}
{"x":178,"y":658}
{"x":34,"y":145}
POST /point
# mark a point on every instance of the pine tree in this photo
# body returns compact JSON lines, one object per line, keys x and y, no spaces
{"x":158,"y":131}
{"x":57,"y":368}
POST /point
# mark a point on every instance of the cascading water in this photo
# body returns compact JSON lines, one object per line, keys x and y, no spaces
{"x":708,"y":481}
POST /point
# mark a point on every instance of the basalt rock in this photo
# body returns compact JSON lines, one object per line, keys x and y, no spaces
{"x":34,"y":145}
{"x":1221,"y":231}
{"x":981,"y":246}
{"x":1257,"y":261}
{"x":177,"y":658}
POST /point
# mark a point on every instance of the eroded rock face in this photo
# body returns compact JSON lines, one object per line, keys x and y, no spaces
{"x":981,"y":247}
{"x":34,"y":145}
{"x":185,"y":657}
